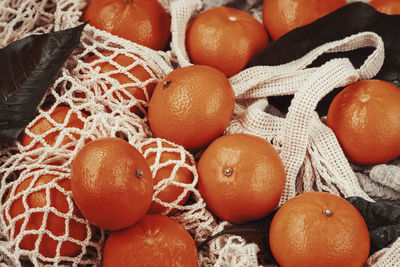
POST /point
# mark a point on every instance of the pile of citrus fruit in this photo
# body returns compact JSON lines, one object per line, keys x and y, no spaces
{"x":241,"y":177}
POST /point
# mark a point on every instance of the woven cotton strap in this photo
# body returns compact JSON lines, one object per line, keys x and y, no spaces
{"x":301,"y":125}
{"x":181,"y":12}
{"x":309,"y":86}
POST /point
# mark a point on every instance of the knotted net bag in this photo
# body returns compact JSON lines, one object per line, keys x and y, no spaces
{"x":85,"y":104}
{"x":312,"y":156}
{"x":104,"y":108}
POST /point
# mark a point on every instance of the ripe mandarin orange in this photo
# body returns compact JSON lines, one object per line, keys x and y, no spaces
{"x":282,"y":16}
{"x":36,"y":199}
{"x":191,"y":106}
{"x":111,"y":183}
{"x":43,"y":125}
{"x":365,"y":117}
{"x":319,"y":229}
{"x":225,"y":38}
{"x":156,"y":240}
{"x":141,"y":21}
{"x":389,"y":7}
{"x":241,"y":177}
{"x":139,"y":74}
{"x":169,"y":162}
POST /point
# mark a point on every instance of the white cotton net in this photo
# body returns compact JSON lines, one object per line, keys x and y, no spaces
{"x":103,"y":90}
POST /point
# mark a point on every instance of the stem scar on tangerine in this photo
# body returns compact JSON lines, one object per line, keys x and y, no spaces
{"x":166,"y":84}
{"x":228,"y":172}
{"x":139,"y":173}
{"x":327,"y":212}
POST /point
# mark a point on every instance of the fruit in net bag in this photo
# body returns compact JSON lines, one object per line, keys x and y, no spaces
{"x":241,"y":177}
{"x":365,"y":117}
{"x":282,"y":16}
{"x":139,"y":76}
{"x":52,"y":130}
{"x":224,"y":38}
{"x":389,"y":7}
{"x":32,"y":198}
{"x":319,"y":229}
{"x":111,"y":183}
{"x":141,"y":21}
{"x":172,"y":175}
{"x":191,"y":106}
{"x":156,"y":240}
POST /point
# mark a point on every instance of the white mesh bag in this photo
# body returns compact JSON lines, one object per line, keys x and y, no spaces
{"x":95,"y":104}
{"x":84,"y":103}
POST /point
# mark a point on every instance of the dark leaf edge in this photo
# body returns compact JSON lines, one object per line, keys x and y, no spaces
{"x":383,"y":221}
{"x":29,"y":67}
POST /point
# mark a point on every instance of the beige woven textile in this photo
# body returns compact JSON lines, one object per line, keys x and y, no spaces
{"x":310,"y":151}
{"x":311,"y":154}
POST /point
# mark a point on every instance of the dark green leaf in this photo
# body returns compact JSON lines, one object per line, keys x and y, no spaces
{"x":348,"y":20}
{"x":383,"y":221}
{"x":256,"y":232}
{"x":383,"y":236}
{"x":27,"y":69}
{"x":376,"y":214}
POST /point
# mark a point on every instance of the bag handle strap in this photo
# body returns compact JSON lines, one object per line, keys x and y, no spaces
{"x":263,"y":78}
{"x":181,"y":12}
{"x":298,"y":123}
